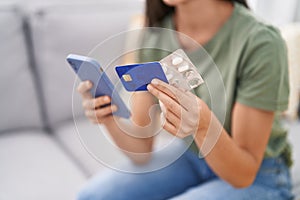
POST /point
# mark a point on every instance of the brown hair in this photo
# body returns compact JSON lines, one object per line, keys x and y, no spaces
{"x":156,"y":10}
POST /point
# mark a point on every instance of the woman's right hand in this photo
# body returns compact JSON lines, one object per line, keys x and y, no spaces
{"x":97,"y":110}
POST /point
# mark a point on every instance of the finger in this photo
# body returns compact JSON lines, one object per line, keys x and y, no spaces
{"x":162,"y":107}
{"x":164,"y":87}
{"x":168,"y":102}
{"x":170,"y":128}
{"x":84,"y":88}
{"x":101,"y":101}
{"x":172,"y":91}
{"x":108,"y":110}
{"x":96,"y":102}
{"x":173,"y":119}
{"x":182,"y":98}
{"x":100,"y":113}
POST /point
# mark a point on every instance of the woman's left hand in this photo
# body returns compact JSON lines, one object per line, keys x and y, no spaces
{"x":182,"y":110}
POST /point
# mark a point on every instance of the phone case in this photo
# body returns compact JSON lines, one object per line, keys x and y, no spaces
{"x":89,"y":69}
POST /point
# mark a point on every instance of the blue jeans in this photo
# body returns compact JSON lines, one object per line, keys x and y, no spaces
{"x":188,"y":178}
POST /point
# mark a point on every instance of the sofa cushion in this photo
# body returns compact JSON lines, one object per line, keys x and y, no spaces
{"x":89,"y":145}
{"x":294,"y":137}
{"x":33,"y":166}
{"x":69,"y":27}
{"x":94,"y":149}
{"x":291,"y":34}
{"x":19,"y":104}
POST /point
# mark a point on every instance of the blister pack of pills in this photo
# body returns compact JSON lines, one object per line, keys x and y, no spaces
{"x":180,"y":71}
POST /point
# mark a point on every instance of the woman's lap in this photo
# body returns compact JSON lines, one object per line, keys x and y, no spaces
{"x":218,"y":189}
{"x":272,"y":182}
{"x":187,"y":178}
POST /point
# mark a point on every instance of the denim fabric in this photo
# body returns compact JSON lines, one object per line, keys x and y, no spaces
{"x":188,"y":178}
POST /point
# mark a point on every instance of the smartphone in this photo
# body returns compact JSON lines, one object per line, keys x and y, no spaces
{"x":89,"y":69}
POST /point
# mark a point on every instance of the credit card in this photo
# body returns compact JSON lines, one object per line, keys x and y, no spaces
{"x":136,"y":77}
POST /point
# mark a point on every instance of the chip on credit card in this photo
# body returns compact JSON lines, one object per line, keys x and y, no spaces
{"x":136,"y":77}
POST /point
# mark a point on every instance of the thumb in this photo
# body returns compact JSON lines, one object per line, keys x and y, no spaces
{"x":162,"y":107}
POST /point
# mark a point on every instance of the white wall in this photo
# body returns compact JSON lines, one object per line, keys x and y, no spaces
{"x":277,"y":12}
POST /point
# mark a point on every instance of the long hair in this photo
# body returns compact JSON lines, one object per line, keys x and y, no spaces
{"x":156,"y":10}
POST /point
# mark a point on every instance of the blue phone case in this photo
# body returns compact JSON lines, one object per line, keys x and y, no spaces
{"x":89,"y":69}
{"x":136,"y":77}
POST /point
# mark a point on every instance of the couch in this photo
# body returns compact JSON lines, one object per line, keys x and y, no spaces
{"x":41,"y":154}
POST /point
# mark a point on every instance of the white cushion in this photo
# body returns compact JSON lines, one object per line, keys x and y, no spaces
{"x":294,"y":138}
{"x":33,"y":166}
{"x":90,"y":145}
{"x":291,"y":34}
{"x":19,"y":105}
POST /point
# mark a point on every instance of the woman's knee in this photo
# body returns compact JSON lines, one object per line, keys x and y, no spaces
{"x":99,"y":187}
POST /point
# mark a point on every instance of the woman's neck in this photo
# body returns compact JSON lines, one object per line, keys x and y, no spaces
{"x":201,"y":19}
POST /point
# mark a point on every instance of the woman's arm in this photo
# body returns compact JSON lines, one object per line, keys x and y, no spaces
{"x":135,"y":139}
{"x":236,"y":158}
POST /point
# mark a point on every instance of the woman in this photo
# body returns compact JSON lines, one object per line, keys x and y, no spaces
{"x":251,"y":158}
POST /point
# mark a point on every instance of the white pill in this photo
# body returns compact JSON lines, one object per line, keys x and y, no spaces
{"x":169,"y":76}
{"x":189,"y":74}
{"x":177,"y":60}
{"x":165,"y":69}
{"x":194,"y":82}
{"x":174,"y":82}
{"x":183,"y":68}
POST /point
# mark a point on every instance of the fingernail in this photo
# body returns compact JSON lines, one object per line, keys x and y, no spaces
{"x":106,"y":99}
{"x":114,"y":108}
{"x":149,"y":87}
{"x":154,"y":82}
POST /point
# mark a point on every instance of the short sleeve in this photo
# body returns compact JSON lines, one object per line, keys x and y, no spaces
{"x":263,"y":77}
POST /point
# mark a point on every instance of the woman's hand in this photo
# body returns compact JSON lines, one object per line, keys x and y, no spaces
{"x":97,"y":110}
{"x":180,"y":109}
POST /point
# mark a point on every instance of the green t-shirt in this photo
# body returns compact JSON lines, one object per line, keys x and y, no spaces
{"x":251,"y":68}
